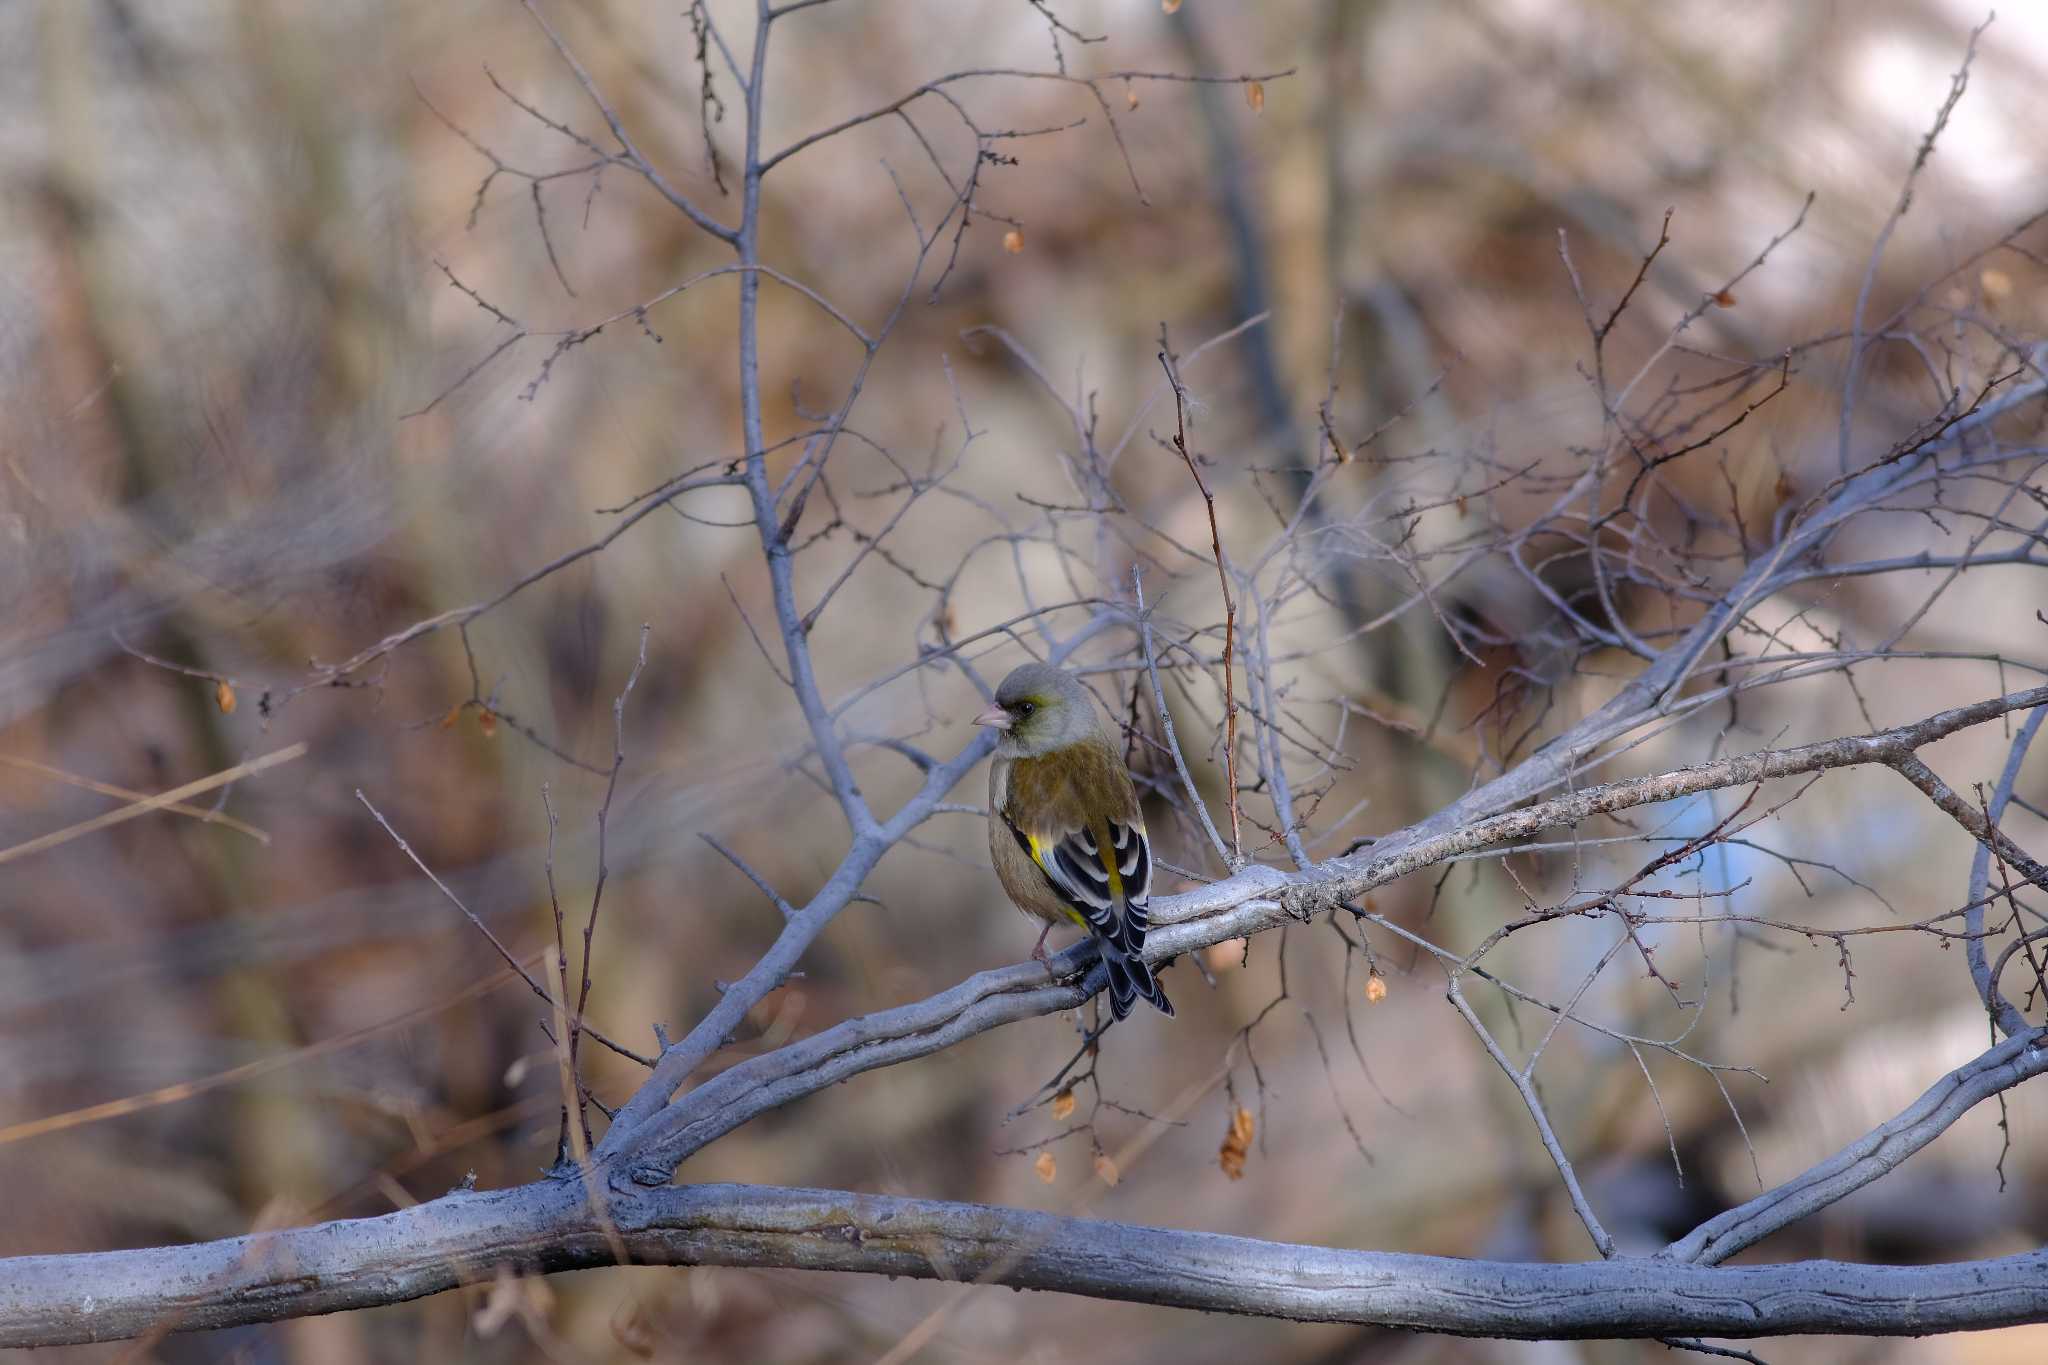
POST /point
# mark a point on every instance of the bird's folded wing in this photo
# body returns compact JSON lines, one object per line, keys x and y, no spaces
{"x":1092,"y":876}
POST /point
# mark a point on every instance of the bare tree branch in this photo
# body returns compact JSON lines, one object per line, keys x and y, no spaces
{"x":464,"y":1236}
{"x":1869,"y":1158}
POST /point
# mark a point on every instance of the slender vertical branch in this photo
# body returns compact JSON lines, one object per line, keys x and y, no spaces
{"x":1180,"y":763}
{"x":1603,"y":1242}
{"x":604,"y":812}
{"x":2007,"y":1015}
{"x":572,"y":1098}
{"x":1853,"y":370}
{"x":1180,"y":444}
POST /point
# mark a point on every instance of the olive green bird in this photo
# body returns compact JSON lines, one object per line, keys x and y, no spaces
{"x":1064,"y":831}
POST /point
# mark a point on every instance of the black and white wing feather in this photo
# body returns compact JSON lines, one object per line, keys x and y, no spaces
{"x":1107,"y":883}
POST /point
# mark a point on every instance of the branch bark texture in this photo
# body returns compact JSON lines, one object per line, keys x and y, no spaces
{"x":549,"y":1226}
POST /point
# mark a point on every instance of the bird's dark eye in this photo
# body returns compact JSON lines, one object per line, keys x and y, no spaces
{"x":1025,"y":708}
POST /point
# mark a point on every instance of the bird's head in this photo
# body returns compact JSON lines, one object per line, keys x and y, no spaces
{"x":1039,"y":708}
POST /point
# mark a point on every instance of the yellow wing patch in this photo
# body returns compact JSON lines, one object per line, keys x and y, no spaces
{"x":1116,"y":877}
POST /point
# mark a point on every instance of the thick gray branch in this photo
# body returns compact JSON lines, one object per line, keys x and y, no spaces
{"x":464,"y":1237}
{"x":1874,"y":1155}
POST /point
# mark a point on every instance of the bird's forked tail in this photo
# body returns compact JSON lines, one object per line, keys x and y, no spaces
{"x":1129,"y":979}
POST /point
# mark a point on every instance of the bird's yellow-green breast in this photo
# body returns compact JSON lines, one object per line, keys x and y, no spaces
{"x":1066,"y":790}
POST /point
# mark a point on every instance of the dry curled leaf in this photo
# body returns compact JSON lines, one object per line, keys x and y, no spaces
{"x":1013,"y":241}
{"x":1996,"y":284}
{"x":1105,"y":1169}
{"x":1236,"y":1143}
{"x":1725,"y":298}
{"x":1130,"y":98}
{"x":1375,"y":988}
{"x":1255,"y":96}
{"x":1048,"y":1169}
{"x":224,"y":697}
{"x":454,"y":714}
{"x":1170,"y":6}
{"x":487,"y":722}
{"x":1063,"y":1105}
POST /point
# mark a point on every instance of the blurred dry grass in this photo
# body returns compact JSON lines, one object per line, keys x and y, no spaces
{"x":220,"y":227}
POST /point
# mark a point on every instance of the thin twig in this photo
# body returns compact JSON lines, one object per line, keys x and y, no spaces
{"x":503,"y":952}
{"x":145,"y":805}
{"x":202,"y":814}
{"x":1180,"y":444}
{"x":1180,"y":763}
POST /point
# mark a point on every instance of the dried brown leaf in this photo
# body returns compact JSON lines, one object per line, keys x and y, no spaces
{"x":1048,"y":1169}
{"x":1237,"y":1143}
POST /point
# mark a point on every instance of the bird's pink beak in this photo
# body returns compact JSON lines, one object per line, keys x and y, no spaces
{"x":995,"y":718}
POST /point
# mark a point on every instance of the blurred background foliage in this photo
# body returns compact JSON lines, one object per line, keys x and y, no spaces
{"x":234,"y":440}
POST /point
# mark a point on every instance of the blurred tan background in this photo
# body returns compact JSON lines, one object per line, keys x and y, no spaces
{"x":220,"y":310}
